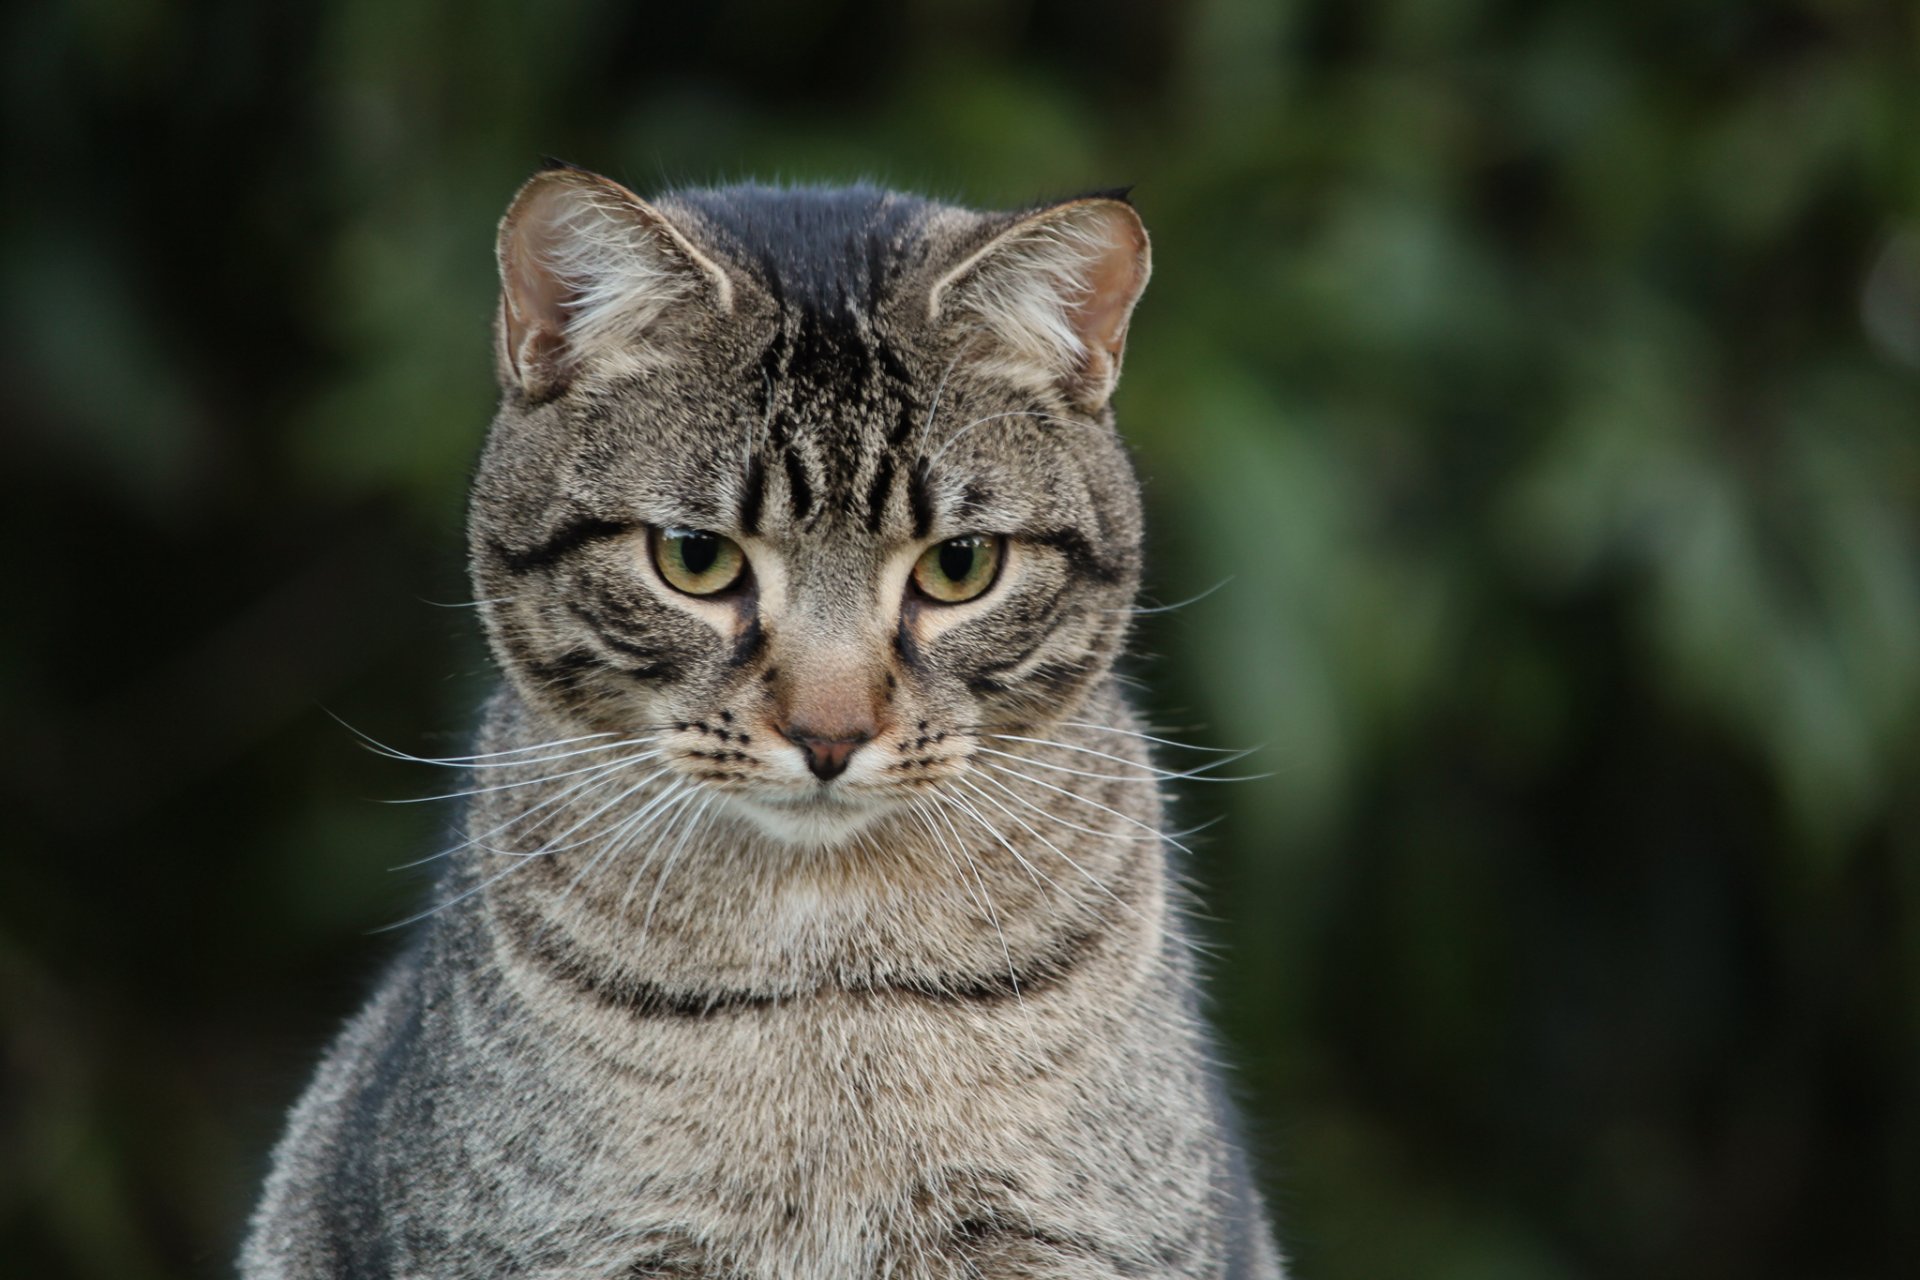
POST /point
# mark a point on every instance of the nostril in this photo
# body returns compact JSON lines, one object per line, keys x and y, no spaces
{"x":826,"y":757}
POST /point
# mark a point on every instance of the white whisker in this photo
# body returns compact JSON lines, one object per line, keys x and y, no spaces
{"x":1188,"y":943}
{"x":985,"y":900}
{"x":666,"y":869}
{"x":604,"y":766}
{"x":635,"y":830}
{"x":618,"y":800}
{"x":1147,"y":772}
{"x":1146,"y":611}
{"x":490,"y":881}
{"x":967,"y":809}
{"x":1057,"y":850}
{"x":1054,"y":817}
{"x":590,"y":784}
{"x":611,"y":842}
{"x":933,"y":407}
{"x":465,"y":604}
{"x":1147,"y":737}
{"x":1074,"y":795}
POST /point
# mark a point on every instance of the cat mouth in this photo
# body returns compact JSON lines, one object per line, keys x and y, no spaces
{"x":824,"y":815}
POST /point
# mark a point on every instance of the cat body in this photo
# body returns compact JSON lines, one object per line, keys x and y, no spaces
{"x":812,"y":918}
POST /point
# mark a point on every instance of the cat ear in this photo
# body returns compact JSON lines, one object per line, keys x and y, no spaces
{"x":589,"y":270}
{"x":1051,"y":296}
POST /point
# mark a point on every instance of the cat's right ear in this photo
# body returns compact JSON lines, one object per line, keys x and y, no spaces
{"x":590,"y":272}
{"x":1047,"y":300}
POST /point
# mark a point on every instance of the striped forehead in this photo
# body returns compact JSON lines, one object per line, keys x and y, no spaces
{"x":844,"y":451}
{"x":840,"y":403}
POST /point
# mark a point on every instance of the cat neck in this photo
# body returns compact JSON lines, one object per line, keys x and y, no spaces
{"x":610,"y":872}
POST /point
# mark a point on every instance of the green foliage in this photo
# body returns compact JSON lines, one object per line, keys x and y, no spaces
{"x":1530,"y":387}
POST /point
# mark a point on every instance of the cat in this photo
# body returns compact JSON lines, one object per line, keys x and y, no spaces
{"x":813,"y":919}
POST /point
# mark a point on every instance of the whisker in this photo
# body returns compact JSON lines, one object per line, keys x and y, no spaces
{"x":465,"y":604}
{"x":548,"y":848}
{"x":1141,"y":612}
{"x":1092,"y":879}
{"x":530,"y":782}
{"x":687,"y":795}
{"x":1092,"y":831}
{"x":620,"y":799}
{"x":590,"y":784}
{"x":1148,"y":737}
{"x":1147,"y":771}
{"x":666,"y":869}
{"x":1032,"y":873}
{"x":610,"y":843}
{"x":1057,"y":850}
{"x":380,"y":746}
{"x":638,"y":829}
{"x":513,"y":755}
{"x":985,"y":900}
{"x":478,"y":763}
{"x":939,"y":388}
{"x":968,"y":810}
{"x":646,"y":859}
{"x":417,"y":917}
{"x":1107,"y":755}
{"x":1094,"y":804}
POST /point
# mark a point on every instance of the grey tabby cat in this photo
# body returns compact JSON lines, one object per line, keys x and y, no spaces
{"x":813,"y":919}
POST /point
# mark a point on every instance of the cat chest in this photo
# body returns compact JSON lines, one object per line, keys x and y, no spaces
{"x":812,"y":1141}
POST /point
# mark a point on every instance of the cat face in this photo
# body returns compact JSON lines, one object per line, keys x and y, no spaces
{"x":810,"y":488}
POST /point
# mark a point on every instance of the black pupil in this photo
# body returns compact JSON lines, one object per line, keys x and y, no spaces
{"x":956,"y":560}
{"x":698,"y":551}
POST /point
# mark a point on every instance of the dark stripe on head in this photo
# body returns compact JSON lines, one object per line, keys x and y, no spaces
{"x":654,"y":663}
{"x":879,"y":491}
{"x":920,"y":498}
{"x":895,"y":368}
{"x":565,"y":540}
{"x":1061,"y":676}
{"x":984,"y":676}
{"x":754,"y":496}
{"x":819,"y":249}
{"x":1073,"y":544}
{"x":903,"y":423}
{"x":565,"y":677}
{"x":800,"y":492}
{"x":773,"y":361}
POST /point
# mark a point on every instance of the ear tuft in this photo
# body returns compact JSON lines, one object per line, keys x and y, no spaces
{"x":1051,"y":296}
{"x":590,"y":272}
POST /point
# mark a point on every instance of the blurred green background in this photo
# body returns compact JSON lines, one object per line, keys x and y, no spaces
{"x":1540,"y":379}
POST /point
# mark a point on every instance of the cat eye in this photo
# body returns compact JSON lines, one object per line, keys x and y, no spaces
{"x":959,"y":569}
{"x":696,"y":561}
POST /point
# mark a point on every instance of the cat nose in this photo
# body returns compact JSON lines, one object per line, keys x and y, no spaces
{"x":826,"y":757}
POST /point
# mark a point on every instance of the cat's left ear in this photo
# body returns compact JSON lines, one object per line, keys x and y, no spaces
{"x":591,"y":274}
{"x":1049,"y":297}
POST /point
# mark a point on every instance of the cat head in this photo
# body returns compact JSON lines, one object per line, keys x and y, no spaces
{"x":812,"y":487}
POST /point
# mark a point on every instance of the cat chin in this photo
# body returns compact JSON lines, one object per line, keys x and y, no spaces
{"x":819,"y":821}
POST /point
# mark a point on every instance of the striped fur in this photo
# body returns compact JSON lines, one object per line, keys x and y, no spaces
{"x":683,"y":1009}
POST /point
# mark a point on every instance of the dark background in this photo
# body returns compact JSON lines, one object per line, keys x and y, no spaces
{"x":1536,"y":382}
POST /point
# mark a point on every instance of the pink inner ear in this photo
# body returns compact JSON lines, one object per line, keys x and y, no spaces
{"x":1113,"y":282}
{"x":536,"y":298}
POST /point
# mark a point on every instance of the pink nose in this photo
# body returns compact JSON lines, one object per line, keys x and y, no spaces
{"x":826,"y":757}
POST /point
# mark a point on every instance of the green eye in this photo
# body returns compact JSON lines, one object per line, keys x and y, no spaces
{"x":959,"y":569}
{"x":697,"y":562}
